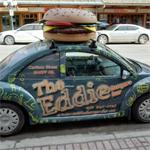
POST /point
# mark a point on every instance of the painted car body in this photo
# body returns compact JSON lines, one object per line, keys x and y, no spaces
{"x":38,"y":82}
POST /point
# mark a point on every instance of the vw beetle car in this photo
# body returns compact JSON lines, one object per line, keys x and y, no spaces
{"x":48,"y":82}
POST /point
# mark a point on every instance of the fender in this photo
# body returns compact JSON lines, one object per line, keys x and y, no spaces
{"x":138,"y":89}
{"x":14,"y":93}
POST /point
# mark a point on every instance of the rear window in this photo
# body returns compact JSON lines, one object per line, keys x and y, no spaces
{"x":38,"y":27}
{"x":132,"y":28}
{"x":23,"y":53}
{"x":27,"y":27}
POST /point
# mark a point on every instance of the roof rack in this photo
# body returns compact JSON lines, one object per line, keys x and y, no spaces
{"x":93,"y":44}
{"x":53,"y":45}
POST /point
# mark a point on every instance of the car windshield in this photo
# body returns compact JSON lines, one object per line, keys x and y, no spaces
{"x":111,"y":27}
{"x":131,"y":63}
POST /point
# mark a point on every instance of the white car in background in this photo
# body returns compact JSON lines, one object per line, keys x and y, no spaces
{"x":123,"y":33}
{"x":25,"y":34}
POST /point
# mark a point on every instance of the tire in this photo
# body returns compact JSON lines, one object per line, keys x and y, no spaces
{"x":103,"y":39}
{"x":143,"y":39}
{"x":141,"y":109}
{"x":12,"y":119}
{"x":9,"y":40}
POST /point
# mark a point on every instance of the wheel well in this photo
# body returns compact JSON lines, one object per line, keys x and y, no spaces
{"x":105,"y":35}
{"x":9,"y":35}
{"x":144,"y":95}
{"x":19,"y":106}
{"x":143,"y":34}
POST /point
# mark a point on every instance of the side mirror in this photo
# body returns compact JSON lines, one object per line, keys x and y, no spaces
{"x":125,"y":74}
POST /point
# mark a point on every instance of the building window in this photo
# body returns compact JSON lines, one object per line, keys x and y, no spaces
{"x":148,"y":21}
{"x":30,"y":18}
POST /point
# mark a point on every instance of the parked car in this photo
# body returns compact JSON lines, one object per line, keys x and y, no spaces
{"x":123,"y":33}
{"x":25,"y":34}
{"x":102,"y":25}
{"x":47,"y":82}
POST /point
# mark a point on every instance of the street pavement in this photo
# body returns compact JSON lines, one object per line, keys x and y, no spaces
{"x":111,"y":134}
{"x":135,"y":51}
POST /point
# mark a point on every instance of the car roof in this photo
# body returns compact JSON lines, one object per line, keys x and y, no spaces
{"x":42,"y":48}
{"x":128,"y":25}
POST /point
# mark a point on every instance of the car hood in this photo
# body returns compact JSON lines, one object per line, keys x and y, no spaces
{"x":8,"y":32}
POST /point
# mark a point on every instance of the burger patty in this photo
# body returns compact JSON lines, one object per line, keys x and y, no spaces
{"x":70,"y":30}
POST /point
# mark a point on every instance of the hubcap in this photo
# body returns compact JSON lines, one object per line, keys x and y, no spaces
{"x":143,"y":39}
{"x":9,"y":40}
{"x":102,"y":39}
{"x":9,"y":120}
{"x":144,"y":110}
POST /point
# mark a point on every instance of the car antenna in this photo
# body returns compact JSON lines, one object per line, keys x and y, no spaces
{"x":93,"y":44}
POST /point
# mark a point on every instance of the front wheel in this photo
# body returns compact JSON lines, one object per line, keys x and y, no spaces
{"x":9,"y":40}
{"x":143,"y":39}
{"x":11,"y":119}
{"x":103,"y":39}
{"x":141,"y":109}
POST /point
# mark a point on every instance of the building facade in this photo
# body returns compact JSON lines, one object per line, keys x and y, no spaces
{"x":126,"y":11}
{"x":111,"y":11}
{"x":28,"y":11}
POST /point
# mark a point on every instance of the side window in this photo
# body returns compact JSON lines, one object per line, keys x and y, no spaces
{"x":121,"y":28}
{"x":87,"y":64}
{"x":38,"y":27}
{"x":27,"y":27}
{"x":132,"y":28}
{"x":43,"y":68}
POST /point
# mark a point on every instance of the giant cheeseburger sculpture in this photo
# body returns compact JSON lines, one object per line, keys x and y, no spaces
{"x":69,"y":25}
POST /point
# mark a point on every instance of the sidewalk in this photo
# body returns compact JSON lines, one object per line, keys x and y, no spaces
{"x":138,"y":143}
{"x":136,"y":140}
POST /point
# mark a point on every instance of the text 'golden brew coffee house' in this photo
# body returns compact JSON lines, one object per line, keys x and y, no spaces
{"x":110,"y":11}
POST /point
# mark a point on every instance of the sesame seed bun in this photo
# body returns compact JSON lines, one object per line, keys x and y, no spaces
{"x":70,"y":15}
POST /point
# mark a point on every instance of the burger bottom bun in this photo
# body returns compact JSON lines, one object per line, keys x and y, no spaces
{"x":69,"y":37}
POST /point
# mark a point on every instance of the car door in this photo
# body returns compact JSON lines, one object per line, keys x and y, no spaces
{"x":119,"y":34}
{"x":133,"y":33}
{"x":93,"y":85}
{"x":24,"y":34}
{"x":37,"y":32}
{"x":41,"y":78}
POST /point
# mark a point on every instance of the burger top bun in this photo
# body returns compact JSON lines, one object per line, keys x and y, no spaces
{"x":70,"y":15}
